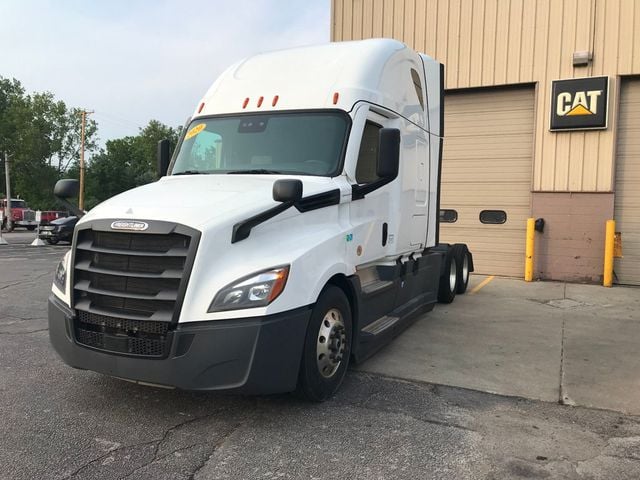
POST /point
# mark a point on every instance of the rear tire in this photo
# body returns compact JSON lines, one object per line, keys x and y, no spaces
{"x":461,"y":254}
{"x":52,"y":241}
{"x":31,"y":228}
{"x":449,"y":279}
{"x":327,"y":346}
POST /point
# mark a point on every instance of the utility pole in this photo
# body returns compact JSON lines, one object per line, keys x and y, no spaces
{"x":7,"y":211}
{"x":84,"y":114}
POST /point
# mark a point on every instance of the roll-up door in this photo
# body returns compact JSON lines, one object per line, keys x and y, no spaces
{"x":627,"y":194}
{"x":486,"y":175}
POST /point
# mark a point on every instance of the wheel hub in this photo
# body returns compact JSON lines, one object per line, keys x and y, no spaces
{"x":465,"y":269}
{"x":332,"y":342}
{"x":453,"y":271}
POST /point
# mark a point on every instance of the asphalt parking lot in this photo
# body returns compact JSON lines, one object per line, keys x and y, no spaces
{"x":395,"y":416}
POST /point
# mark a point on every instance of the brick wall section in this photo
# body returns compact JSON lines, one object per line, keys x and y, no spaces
{"x":572,"y":245}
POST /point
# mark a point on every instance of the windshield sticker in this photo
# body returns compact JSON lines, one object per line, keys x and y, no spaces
{"x":195,"y":130}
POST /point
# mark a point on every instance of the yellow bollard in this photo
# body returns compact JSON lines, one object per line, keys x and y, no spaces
{"x":609,"y":237}
{"x":528,"y":263}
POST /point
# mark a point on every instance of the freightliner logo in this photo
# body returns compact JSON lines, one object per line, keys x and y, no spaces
{"x":129,"y":225}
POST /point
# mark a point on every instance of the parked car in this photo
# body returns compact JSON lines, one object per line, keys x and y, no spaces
{"x":60,"y":229}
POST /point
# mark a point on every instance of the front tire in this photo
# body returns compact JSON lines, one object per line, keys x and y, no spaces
{"x":31,"y":228}
{"x":52,"y":241}
{"x":327,"y":346}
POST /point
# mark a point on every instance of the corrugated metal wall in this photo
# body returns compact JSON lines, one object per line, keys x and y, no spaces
{"x":495,"y":42}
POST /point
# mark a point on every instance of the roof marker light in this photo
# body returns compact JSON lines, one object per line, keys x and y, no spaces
{"x":245,"y":103}
{"x":200,"y":107}
{"x":260,"y":101}
{"x":335,"y":98}
{"x":275,"y":100}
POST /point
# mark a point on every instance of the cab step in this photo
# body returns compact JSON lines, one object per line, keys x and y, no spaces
{"x":380,"y":325}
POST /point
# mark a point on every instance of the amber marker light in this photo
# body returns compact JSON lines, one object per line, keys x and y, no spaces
{"x":260,"y":100}
{"x":200,"y":107}
{"x":280,"y":282}
{"x":275,"y":100}
{"x":245,"y":103}
{"x":335,"y":98}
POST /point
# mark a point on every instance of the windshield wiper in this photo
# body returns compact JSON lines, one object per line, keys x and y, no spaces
{"x":256,"y":171}
{"x":191,"y":172}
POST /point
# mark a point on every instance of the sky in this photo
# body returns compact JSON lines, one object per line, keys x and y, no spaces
{"x":133,"y":61}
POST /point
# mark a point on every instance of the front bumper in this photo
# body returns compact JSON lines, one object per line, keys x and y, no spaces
{"x":253,"y":355}
{"x":48,"y":235}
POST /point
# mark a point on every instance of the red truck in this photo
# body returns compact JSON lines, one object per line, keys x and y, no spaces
{"x":23,"y":216}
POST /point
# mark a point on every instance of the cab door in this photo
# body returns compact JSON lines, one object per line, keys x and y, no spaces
{"x":369,"y":216}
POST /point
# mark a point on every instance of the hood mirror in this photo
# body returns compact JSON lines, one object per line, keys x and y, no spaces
{"x":163,"y":157}
{"x":287,"y":190}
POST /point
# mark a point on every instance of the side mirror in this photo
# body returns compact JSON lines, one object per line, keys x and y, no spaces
{"x":67,"y":188}
{"x":388,"y":153}
{"x":163,"y":157}
{"x":288,"y":190}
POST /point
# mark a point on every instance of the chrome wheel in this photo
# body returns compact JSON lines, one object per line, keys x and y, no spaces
{"x":453,"y":271}
{"x":465,"y":269}
{"x":332,"y":341}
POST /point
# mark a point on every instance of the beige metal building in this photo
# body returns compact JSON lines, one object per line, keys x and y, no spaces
{"x":500,"y":155}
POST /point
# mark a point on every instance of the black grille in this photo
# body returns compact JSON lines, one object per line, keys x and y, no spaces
{"x":122,"y":325}
{"x":128,"y":287}
{"x":148,"y":347}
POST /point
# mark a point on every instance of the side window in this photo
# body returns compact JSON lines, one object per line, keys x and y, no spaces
{"x":368,"y":155}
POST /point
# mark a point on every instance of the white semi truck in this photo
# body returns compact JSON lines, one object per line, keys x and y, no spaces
{"x":295,"y":229}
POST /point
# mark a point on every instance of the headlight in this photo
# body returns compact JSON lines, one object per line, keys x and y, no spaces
{"x":60,"y":275}
{"x":257,"y":290}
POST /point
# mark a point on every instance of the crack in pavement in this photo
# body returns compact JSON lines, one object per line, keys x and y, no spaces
{"x":102,"y":457}
{"x":25,"y":333}
{"x":25,"y":282}
{"x":162,"y":457}
{"x":200,"y":465}
{"x":157,"y":442}
{"x":23,"y":319}
{"x":430,"y":421}
{"x":563,"y":398}
{"x":216,"y":446}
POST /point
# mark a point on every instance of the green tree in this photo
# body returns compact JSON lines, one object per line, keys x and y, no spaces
{"x":126,"y":163}
{"x":42,"y":135}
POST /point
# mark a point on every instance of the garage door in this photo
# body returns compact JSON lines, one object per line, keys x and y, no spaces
{"x":627,"y":195}
{"x":486,"y":172}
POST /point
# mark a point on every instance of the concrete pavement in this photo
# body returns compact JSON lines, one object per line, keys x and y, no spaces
{"x":577,"y":344}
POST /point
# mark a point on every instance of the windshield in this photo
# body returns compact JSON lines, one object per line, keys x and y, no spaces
{"x":309,"y":143}
{"x":18,"y":204}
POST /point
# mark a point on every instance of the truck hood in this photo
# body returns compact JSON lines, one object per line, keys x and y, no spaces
{"x":199,"y":200}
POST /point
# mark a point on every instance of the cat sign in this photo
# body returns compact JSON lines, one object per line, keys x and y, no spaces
{"x":579,"y":103}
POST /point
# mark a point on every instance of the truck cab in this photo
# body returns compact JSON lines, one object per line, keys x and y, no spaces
{"x":21,"y":214}
{"x":295,"y":230}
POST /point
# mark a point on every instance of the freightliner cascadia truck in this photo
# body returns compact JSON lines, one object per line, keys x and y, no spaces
{"x":294,"y":230}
